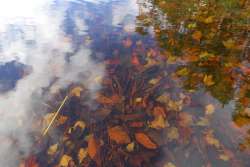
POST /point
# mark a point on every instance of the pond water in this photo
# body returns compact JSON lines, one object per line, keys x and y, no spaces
{"x":125,"y":83}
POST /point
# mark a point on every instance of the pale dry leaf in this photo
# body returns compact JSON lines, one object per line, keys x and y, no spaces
{"x":52,"y":149}
{"x":211,"y":140}
{"x":209,"y":109}
{"x":76,"y":91}
{"x":202,"y":122}
{"x":80,"y":124}
{"x":173,"y":134}
{"x":169,"y":164}
{"x":130,"y":147}
{"x":224,"y":157}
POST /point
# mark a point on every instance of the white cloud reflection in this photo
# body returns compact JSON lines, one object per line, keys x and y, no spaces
{"x":31,"y":33}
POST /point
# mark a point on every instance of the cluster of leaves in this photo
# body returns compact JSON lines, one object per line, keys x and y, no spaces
{"x":141,"y":116}
{"x":209,"y":42}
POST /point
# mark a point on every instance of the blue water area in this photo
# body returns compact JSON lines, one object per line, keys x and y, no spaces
{"x":10,"y":73}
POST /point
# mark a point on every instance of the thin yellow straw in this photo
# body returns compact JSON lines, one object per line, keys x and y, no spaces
{"x":57,"y":112}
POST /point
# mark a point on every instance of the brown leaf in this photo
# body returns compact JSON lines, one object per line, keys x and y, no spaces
{"x":107,"y":100}
{"x":119,"y":135}
{"x":93,"y":146}
{"x":144,"y":140}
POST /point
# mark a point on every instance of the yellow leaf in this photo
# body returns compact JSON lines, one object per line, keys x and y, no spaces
{"x":65,"y":160}
{"x":80,"y":124}
{"x":52,"y":149}
{"x":163,"y":99}
{"x":154,"y":81}
{"x":158,"y":123}
{"x":182,"y":72}
{"x":130,"y":147}
{"x":192,"y":25}
{"x":76,"y":91}
{"x":83,"y":152}
{"x":138,"y":100}
{"x":169,"y":164}
{"x":209,"y":20}
{"x":98,"y":79}
{"x":203,"y":122}
{"x":229,"y":44}
{"x":197,"y":35}
{"x":224,"y":157}
{"x":208,"y":80}
{"x":209,"y":109}
{"x":173,"y":134}
{"x":211,"y":140}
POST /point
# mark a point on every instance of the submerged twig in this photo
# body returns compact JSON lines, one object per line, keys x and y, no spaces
{"x":54,"y":117}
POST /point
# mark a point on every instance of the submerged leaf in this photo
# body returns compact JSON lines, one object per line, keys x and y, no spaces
{"x":65,"y":160}
{"x":145,"y":141}
{"x":209,"y":109}
{"x":173,"y":134}
{"x":76,"y":91}
{"x":52,"y":149}
{"x":130,"y":147}
{"x":92,"y":146}
{"x":119,"y":135}
{"x":82,"y":154}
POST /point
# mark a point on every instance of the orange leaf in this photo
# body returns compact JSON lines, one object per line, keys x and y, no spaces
{"x":92,"y":147}
{"x":197,"y":35}
{"x":119,"y":135}
{"x":144,"y":140}
{"x":134,"y":60}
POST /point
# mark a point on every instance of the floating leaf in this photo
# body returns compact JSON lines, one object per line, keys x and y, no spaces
{"x":119,"y":135}
{"x":145,"y":141}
